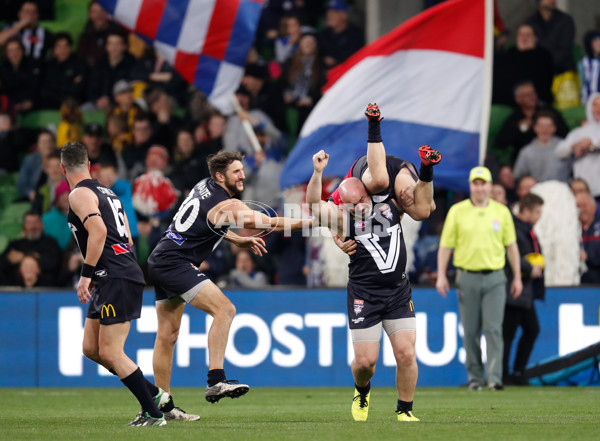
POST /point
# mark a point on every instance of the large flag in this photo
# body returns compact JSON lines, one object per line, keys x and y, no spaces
{"x":207,"y":41}
{"x":431,"y":77}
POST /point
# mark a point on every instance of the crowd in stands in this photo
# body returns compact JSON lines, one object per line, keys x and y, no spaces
{"x":156,"y":131}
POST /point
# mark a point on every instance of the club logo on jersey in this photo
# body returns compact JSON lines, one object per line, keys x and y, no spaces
{"x":358,"y":320}
{"x":121,"y":248}
{"x":496,"y":225}
{"x":177,"y":238}
{"x":101,"y":273}
{"x":386,"y":211}
{"x":358,"y":306}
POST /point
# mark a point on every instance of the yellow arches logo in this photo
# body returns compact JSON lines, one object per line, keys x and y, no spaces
{"x":108,"y":308}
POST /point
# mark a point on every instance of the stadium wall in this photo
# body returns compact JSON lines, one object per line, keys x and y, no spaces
{"x":278,"y":338}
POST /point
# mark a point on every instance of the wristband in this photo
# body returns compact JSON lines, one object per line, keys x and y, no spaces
{"x":426,"y":173}
{"x":374,"y":131}
{"x":87,"y":270}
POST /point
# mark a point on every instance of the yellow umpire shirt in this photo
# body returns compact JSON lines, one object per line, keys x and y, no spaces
{"x":478,"y":235}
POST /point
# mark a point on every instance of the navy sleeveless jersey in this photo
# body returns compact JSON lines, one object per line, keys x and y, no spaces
{"x":393,"y":165}
{"x":191,"y":236}
{"x":380,"y":258}
{"x":117,"y":260}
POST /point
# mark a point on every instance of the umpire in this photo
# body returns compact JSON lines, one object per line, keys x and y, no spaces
{"x":479,"y":230}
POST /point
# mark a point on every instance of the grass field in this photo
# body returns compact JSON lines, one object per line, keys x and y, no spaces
{"x":531,"y":413}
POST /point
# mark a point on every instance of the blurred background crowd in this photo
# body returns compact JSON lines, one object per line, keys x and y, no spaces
{"x":148,"y":134}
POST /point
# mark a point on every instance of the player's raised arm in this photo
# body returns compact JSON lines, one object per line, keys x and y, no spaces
{"x":84,"y":204}
{"x":376,"y":177}
{"x":326,"y":214}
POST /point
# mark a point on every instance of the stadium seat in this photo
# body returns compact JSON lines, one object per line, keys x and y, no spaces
{"x":70,"y":16}
{"x":3,"y":242}
{"x":94,"y":116}
{"x":573,"y":116}
{"x":498,"y":114}
{"x":143,"y":249}
{"x":8,"y":189}
{"x":39,"y":118}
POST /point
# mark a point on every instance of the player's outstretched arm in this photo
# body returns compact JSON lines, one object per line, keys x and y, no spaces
{"x":84,"y":202}
{"x":255,"y":244}
{"x":375,"y":178}
{"x":327,"y":214}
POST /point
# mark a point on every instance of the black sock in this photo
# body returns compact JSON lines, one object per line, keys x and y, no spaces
{"x":215,"y":376}
{"x":152,"y":388}
{"x":404,"y":406}
{"x":363,"y":390}
{"x":136,"y":383}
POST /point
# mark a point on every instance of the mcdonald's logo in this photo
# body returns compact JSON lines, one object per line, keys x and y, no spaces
{"x":412,"y":306}
{"x":107,"y":308}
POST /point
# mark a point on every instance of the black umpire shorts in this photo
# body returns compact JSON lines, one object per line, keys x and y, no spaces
{"x":369,"y":305}
{"x":115,"y":301}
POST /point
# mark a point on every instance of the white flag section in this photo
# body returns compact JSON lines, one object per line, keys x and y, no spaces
{"x":430,"y":78}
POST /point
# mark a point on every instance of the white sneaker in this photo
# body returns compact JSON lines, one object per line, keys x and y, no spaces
{"x":179,"y":414}
{"x":226,"y":388}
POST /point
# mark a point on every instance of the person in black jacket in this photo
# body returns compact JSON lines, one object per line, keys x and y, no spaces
{"x":520,"y":312}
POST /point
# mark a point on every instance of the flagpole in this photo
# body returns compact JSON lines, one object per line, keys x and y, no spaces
{"x":487,"y":78}
{"x":246,"y":125}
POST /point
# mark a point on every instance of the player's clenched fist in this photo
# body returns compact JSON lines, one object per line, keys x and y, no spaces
{"x":320,"y":160}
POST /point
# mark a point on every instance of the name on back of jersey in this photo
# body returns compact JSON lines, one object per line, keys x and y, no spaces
{"x":106,"y":191}
{"x":202,"y":190}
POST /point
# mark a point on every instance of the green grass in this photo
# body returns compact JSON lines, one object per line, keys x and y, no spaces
{"x":308,"y":414}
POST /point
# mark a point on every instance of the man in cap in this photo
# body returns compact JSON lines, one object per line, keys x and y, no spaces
{"x":99,"y":152}
{"x":481,"y":231}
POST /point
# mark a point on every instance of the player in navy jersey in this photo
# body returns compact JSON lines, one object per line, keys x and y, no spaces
{"x":379,"y":293}
{"x":111,"y":281}
{"x":200,"y":224}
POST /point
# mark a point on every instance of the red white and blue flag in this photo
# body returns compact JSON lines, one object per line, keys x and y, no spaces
{"x":207,"y":41}
{"x":431,"y":78}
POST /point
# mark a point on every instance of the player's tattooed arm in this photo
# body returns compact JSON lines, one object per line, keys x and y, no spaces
{"x":327,"y":214}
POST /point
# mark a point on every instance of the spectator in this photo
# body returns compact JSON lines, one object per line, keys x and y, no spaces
{"x":108,"y":176}
{"x":481,"y":232}
{"x":303,"y":77}
{"x":154,"y":71}
{"x":124,"y":103}
{"x":339,"y":39}
{"x":517,"y":129}
{"x":555,"y":31}
{"x":245,"y":275}
{"x":99,"y":152}
{"x":63,"y":75}
{"x":135,"y":156}
{"x":499,"y":194}
{"x":29,"y":272}
{"x":164,"y":125}
{"x":526,"y":183}
{"x":583,"y":145}
{"x":579,"y":185}
{"x":520,"y":312}
{"x":49,"y":182}
{"x":33,"y":243}
{"x":154,"y":196}
{"x":20,"y":77}
{"x":235,"y":138}
{"x":115,"y":65}
{"x":538,"y":158}
{"x":55,"y":220}
{"x":71,"y":122}
{"x":36,"y":40}
{"x":91,"y":46}
{"x":265,"y":95}
{"x":590,"y":236}
{"x":506,"y":179}
{"x":31,"y":169}
{"x":118,"y":133}
{"x":9,"y":146}
{"x":188,"y":169}
{"x":289,"y":36}
{"x":524,"y":62}
{"x":216,"y":128}
{"x":589,"y":66}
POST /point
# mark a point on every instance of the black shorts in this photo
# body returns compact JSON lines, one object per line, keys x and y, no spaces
{"x":175,"y":279}
{"x":369,"y":305}
{"x":115,"y":301}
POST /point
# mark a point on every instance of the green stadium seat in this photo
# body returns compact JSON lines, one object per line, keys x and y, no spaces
{"x":39,"y":118}
{"x":14,"y":212}
{"x":574,"y":116}
{"x":498,"y":114}
{"x":143,"y":249}
{"x":8,"y":189}
{"x":94,"y":116}
{"x":3,"y":242}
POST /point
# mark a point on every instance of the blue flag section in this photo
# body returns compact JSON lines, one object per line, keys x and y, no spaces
{"x":278,"y":338}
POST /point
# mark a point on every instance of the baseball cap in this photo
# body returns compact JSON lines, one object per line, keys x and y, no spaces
{"x":122,"y":86}
{"x":93,"y":129}
{"x":338,"y":5}
{"x":482,"y":173}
